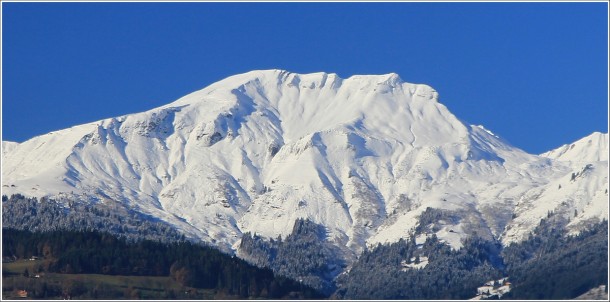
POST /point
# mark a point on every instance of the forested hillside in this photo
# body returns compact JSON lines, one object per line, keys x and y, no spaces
{"x":548,"y":265}
{"x":303,"y":255}
{"x":432,"y":270}
{"x":191,"y":265}
{"x":551,"y":265}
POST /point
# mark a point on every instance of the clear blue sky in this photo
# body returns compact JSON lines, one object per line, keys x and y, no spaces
{"x":533,"y":73}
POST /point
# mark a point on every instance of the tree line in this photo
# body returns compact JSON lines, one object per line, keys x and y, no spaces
{"x":46,"y":214}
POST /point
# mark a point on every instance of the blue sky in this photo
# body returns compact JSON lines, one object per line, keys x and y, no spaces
{"x":534,"y":73}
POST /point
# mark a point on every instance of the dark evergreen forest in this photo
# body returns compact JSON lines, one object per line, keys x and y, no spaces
{"x":92,"y":252}
{"x":380,"y":273}
{"x":550,"y":265}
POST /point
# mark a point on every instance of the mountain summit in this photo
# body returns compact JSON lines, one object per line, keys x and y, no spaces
{"x":362,"y":156}
{"x":591,"y":148}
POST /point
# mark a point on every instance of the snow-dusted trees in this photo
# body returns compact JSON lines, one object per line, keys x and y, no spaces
{"x":303,"y":255}
{"x":24,"y":213}
{"x":449,"y":274}
{"x":550,"y":265}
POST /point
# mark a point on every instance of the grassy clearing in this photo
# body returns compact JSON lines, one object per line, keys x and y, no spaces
{"x":19,"y":266}
{"x":92,"y":286}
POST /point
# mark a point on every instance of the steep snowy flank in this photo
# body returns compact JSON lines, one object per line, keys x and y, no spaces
{"x":362,"y":156}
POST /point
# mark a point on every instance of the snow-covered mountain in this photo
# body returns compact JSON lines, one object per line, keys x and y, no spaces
{"x":363,"y":156}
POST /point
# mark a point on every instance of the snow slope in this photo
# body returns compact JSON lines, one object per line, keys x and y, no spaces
{"x":363,"y":156}
{"x":8,"y":146}
{"x":580,"y":195}
{"x":591,"y":148}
